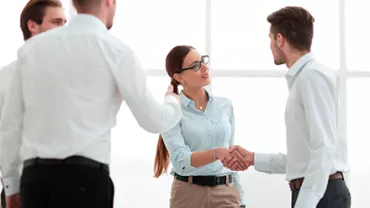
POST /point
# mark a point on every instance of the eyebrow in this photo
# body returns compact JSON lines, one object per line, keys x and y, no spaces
{"x":59,"y":19}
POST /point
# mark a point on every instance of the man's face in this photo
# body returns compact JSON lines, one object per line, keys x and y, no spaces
{"x":54,"y":17}
{"x":112,"y":5}
{"x":277,"y":53}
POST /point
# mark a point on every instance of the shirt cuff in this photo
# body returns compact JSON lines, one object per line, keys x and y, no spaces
{"x":242,"y":200}
{"x":262,"y":162}
{"x":306,"y":199}
{"x":187,"y":162}
{"x":11,"y":185}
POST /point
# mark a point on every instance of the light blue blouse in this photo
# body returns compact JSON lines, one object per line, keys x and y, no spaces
{"x":199,"y":131}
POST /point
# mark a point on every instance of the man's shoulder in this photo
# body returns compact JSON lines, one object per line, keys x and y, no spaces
{"x":316,"y":71}
{"x":114,"y":43}
{"x":6,"y":73}
{"x":36,"y":40}
{"x":7,"y":69}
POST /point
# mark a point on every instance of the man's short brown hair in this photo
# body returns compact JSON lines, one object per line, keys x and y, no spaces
{"x":35,"y":11}
{"x":86,"y":5}
{"x":295,"y":24}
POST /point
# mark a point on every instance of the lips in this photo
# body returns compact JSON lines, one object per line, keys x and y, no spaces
{"x":205,"y":76}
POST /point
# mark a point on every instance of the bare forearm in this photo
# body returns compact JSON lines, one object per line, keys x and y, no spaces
{"x":199,"y":159}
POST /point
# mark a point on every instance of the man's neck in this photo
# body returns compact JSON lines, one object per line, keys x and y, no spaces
{"x":96,"y":14}
{"x":294,"y":57}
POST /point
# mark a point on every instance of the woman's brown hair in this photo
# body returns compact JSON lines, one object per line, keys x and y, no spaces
{"x":174,"y":62}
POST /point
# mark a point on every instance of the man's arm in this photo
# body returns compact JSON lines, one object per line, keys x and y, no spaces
{"x":2,"y":98}
{"x":10,"y":135}
{"x":241,"y":159}
{"x":270,"y":163}
{"x":319,"y":102}
{"x":151,"y":115}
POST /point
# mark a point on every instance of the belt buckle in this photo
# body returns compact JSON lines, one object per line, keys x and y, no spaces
{"x":215,"y":181}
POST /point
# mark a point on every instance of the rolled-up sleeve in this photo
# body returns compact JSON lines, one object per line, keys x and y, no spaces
{"x":180,"y":153}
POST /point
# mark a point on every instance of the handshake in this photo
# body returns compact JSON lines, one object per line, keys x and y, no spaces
{"x":235,"y":158}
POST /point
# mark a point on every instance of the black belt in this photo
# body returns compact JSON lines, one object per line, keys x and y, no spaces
{"x":296,"y":184}
{"x":205,"y":180}
{"x":73,"y":160}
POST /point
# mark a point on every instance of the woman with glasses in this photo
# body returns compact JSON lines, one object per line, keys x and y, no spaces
{"x":200,"y":140}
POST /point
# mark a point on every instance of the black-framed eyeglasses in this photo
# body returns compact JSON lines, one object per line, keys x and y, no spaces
{"x":197,"y":65}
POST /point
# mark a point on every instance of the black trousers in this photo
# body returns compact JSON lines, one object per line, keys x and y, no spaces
{"x":66,"y":185}
{"x":337,"y":195}
{"x":3,"y":200}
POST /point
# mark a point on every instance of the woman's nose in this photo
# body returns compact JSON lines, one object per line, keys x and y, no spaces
{"x":203,"y":67}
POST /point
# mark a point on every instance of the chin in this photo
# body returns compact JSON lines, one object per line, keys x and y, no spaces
{"x":207,"y":82}
{"x":279,"y":62}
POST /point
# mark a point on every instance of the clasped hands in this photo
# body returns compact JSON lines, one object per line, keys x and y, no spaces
{"x":235,"y":158}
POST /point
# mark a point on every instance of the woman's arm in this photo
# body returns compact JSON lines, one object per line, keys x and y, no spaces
{"x":182,"y":158}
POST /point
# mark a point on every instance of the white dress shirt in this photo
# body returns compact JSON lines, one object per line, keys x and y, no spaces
{"x":6,"y":74}
{"x":67,"y":88}
{"x":315,"y":149}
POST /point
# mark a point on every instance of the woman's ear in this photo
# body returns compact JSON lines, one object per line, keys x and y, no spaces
{"x":178,"y":77}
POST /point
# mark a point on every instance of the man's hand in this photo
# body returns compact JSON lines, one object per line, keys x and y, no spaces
{"x":13,"y":201}
{"x":239,"y":160}
{"x":170,"y":92}
{"x":224,"y":153}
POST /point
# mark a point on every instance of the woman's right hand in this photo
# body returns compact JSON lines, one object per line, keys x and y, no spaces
{"x":221,"y":153}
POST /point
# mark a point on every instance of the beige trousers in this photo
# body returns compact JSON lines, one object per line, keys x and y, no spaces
{"x":188,"y":195}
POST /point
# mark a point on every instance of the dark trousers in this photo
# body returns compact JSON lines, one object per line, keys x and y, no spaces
{"x":3,"y":200}
{"x":337,"y":195}
{"x":66,"y":185}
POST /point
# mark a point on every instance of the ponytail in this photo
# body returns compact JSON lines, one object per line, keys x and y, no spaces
{"x":162,"y":156}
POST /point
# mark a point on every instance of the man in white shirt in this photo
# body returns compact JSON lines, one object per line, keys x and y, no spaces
{"x":36,"y":17}
{"x":67,"y":88}
{"x":316,"y":153}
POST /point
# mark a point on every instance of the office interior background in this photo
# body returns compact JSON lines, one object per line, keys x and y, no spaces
{"x":234,"y":33}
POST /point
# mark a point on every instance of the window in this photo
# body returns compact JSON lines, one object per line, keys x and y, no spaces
{"x":259,"y":105}
{"x":153,"y":28}
{"x":356,"y":33}
{"x":240,"y":38}
{"x":358,"y":139}
{"x":133,"y":153}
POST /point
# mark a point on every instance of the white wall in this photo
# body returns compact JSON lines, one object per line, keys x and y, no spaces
{"x":235,"y":34}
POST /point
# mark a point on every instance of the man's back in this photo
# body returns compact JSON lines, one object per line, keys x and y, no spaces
{"x":70,"y":92}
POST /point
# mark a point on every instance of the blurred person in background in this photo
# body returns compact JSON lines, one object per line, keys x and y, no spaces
{"x":37,"y":16}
